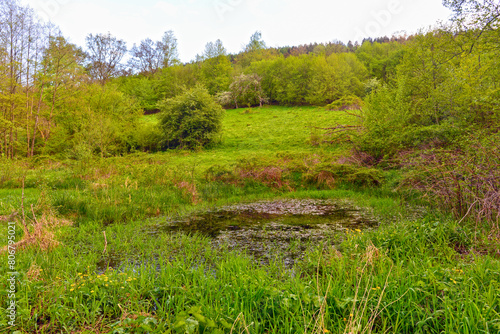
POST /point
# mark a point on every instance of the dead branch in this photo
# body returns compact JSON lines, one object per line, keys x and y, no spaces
{"x":353,"y":114}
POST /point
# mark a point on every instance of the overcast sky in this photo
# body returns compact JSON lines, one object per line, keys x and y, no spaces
{"x":197,"y":22}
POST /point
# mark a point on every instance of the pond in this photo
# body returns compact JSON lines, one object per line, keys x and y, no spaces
{"x":264,"y":229}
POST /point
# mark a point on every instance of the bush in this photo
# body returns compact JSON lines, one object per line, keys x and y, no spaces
{"x":190,"y":120}
{"x":465,"y":182}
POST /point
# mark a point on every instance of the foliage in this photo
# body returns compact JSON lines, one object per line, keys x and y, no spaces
{"x":381,"y":59}
{"x":464,"y":182}
{"x":435,"y":98}
{"x":245,"y":90}
{"x":100,"y":121}
{"x":145,"y":90}
{"x":335,"y":77}
{"x":191,"y":120}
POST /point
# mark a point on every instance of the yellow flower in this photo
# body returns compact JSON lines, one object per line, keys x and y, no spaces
{"x":71,"y":289}
{"x":92,"y":291}
{"x":358,"y":230}
{"x":454,"y":282}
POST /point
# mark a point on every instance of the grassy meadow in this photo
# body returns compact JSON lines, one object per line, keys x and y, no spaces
{"x":420,"y":272}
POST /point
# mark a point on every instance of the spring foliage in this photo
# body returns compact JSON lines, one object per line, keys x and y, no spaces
{"x":191,"y":120}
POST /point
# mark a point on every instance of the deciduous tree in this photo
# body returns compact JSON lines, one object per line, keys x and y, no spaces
{"x":105,"y":53}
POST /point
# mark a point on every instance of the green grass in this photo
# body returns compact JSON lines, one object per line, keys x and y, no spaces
{"x":419,"y":272}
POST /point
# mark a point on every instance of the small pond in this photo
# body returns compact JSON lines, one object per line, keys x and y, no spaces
{"x":264,"y":229}
{"x":284,"y":228}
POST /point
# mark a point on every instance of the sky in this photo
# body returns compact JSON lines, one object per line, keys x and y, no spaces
{"x":197,"y":22}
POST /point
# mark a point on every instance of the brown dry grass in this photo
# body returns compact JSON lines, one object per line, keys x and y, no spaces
{"x":189,"y":191}
{"x":34,"y":272}
{"x":42,"y":234}
{"x":271,"y":176}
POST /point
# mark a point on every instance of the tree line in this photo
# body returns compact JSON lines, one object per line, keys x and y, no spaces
{"x":58,"y":97}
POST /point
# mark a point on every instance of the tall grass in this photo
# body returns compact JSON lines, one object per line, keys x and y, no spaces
{"x":403,"y":278}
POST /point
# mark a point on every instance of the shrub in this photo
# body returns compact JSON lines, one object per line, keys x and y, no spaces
{"x":465,"y":182}
{"x":190,"y":120}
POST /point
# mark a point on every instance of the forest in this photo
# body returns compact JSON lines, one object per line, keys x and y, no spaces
{"x":133,"y":186}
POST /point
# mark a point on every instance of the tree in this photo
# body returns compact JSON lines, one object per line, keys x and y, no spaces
{"x":190,"y":120}
{"x":254,"y":51}
{"x":216,"y":68}
{"x":21,"y":45}
{"x":256,"y":43}
{"x":245,"y":89}
{"x":488,"y":9}
{"x":104,"y":53}
{"x":63,"y":63}
{"x":168,"y":47}
{"x":381,"y":59}
{"x":214,"y":50}
{"x":147,"y":58}
{"x":337,"y":76}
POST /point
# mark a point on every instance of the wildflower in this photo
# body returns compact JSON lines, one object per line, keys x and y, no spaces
{"x":71,"y":289}
{"x":91,"y":291}
{"x":454,"y":282}
{"x":358,"y":230}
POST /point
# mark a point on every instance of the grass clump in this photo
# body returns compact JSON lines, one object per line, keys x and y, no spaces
{"x":330,"y":174}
